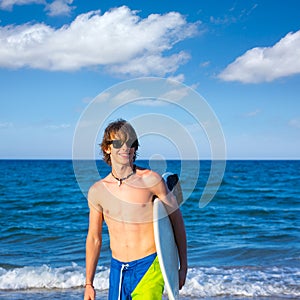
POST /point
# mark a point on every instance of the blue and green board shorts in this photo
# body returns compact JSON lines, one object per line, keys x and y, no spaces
{"x":140,"y":279}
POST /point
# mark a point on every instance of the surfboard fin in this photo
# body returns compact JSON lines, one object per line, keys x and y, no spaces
{"x":173,"y":184}
{"x":172,"y":181}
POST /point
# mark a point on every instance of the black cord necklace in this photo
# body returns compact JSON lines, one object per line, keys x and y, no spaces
{"x":120,"y":180}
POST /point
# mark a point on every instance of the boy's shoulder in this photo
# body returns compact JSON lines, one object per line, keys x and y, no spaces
{"x":98,"y":185}
{"x":148,"y":176}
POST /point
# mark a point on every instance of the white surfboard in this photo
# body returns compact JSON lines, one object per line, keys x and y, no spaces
{"x":165,"y":243}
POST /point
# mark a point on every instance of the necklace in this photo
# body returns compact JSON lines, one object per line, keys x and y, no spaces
{"x":120,"y":180}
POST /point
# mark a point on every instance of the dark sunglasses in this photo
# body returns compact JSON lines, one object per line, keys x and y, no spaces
{"x":117,"y":144}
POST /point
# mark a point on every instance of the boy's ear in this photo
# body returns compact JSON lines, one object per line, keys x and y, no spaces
{"x":107,"y":150}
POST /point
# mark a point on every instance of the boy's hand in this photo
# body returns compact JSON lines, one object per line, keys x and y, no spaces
{"x":89,"y":293}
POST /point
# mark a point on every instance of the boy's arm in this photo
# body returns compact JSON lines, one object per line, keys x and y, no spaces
{"x":93,"y":247}
{"x":180,"y":238}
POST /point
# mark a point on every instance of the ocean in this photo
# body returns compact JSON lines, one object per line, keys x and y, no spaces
{"x":244,"y":244}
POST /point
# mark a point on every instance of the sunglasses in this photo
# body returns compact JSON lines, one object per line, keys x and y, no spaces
{"x":117,"y":144}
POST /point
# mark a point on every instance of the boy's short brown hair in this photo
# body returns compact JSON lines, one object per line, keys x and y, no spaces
{"x":124,"y":131}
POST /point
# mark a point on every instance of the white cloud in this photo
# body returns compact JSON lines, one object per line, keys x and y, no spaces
{"x":176,"y":94}
{"x":205,"y":64}
{"x":55,"y":8}
{"x":119,"y":40}
{"x":59,"y":7}
{"x":59,"y":126}
{"x":265,"y":64}
{"x":179,"y":78}
{"x":126,"y":95}
{"x":224,"y":20}
{"x":151,"y":64}
{"x":234,"y":15}
{"x":253,"y":113}
{"x":8,"y":4}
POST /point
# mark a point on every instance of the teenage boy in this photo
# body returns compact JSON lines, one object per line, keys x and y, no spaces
{"x":124,"y":200}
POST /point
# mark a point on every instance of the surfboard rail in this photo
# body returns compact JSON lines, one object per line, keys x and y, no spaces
{"x":166,"y":247}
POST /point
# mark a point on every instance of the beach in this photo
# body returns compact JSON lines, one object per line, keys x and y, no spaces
{"x":244,"y":244}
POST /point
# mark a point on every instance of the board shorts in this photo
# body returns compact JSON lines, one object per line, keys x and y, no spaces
{"x":139,"y":280}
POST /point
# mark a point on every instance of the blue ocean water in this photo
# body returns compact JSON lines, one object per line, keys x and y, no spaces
{"x":244,"y":244}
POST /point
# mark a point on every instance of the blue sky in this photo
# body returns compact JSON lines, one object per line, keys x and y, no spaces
{"x":243,"y":57}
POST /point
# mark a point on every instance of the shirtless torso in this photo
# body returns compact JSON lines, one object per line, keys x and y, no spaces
{"x":127,"y":211}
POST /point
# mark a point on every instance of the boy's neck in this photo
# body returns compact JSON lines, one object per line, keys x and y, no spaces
{"x":121,"y":171}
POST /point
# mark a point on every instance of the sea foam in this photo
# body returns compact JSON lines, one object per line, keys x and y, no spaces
{"x":201,"y":281}
{"x":45,"y":277}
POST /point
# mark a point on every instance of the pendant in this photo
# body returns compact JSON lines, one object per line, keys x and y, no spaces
{"x":119,"y":182}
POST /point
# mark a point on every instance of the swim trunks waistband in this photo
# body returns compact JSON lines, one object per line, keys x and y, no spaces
{"x":133,"y":263}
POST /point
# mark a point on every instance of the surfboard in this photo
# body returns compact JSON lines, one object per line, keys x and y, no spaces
{"x":164,"y":239}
